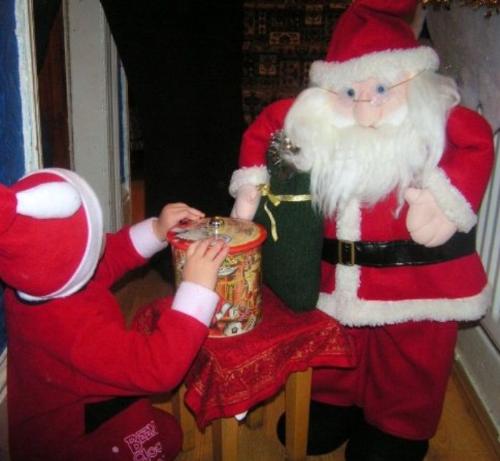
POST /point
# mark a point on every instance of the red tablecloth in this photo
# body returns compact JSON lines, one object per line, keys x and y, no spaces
{"x":231,"y":375}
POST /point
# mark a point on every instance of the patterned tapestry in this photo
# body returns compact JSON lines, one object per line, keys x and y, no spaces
{"x":280,"y":40}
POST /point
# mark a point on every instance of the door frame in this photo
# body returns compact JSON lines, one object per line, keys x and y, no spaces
{"x":19,"y":117}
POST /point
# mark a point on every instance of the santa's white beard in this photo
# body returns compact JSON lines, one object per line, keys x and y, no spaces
{"x":353,"y":162}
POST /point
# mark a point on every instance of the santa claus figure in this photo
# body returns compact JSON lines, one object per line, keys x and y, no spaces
{"x":398,"y":169}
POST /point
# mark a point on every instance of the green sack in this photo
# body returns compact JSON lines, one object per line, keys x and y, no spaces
{"x":291,"y":263}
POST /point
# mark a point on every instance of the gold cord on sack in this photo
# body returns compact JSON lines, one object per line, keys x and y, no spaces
{"x":275,"y":200}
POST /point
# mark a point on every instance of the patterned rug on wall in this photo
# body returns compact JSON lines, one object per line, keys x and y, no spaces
{"x":280,"y":41}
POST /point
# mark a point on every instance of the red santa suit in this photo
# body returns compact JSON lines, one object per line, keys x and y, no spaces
{"x":71,"y":354}
{"x":451,"y":290}
{"x":403,"y":318}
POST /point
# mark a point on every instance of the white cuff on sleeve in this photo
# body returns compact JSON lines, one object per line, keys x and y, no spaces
{"x":255,"y":175}
{"x":197,"y":301}
{"x":451,"y":201}
{"x":145,"y":240}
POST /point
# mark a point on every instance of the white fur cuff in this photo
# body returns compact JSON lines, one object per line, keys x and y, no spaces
{"x":248,"y":175}
{"x":144,"y":239}
{"x":451,"y":201}
{"x":196,"y":301}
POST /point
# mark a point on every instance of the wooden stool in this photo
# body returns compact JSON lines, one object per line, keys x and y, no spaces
{"x":225,"y":430}
{"x":236,"y":374}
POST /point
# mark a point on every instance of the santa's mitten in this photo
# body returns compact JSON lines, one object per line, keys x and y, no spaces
{"x":426,"y":222}
{"x":246,"y":203}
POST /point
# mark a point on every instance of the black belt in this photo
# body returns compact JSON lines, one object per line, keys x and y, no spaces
{"x":397,"y":252}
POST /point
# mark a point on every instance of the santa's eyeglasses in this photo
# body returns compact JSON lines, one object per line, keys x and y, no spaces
{"x":381,"y":93}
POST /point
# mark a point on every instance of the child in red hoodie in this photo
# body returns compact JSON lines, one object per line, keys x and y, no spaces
{"x":78,"y":380}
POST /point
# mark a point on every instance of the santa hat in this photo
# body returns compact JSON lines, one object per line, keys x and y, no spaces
{"x":51,"y":233}
{"x":373,"y":39}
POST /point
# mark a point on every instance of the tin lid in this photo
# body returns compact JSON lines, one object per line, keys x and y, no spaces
{"x":241,"y":235}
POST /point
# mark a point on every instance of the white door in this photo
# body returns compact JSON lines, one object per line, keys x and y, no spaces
{"x":96,"y":98}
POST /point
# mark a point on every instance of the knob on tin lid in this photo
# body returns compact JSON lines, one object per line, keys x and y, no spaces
{"x":241,"y":235}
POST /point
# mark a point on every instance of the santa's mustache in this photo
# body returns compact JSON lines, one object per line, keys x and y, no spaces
{"x":357,"y":162}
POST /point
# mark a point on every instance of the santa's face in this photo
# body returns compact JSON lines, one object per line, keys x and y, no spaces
{"x":371,"y":103}
{"x":368,"y":139}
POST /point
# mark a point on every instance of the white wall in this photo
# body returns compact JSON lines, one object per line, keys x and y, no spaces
{"x":468,"y":44}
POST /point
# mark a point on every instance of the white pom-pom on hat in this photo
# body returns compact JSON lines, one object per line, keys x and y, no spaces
{"x":49,"y":200}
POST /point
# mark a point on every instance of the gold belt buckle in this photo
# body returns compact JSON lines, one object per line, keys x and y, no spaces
{"x":352,"y":258}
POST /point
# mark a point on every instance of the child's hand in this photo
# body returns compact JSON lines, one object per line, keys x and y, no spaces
{"x":171,"y":215}
{"x":203,"y":259}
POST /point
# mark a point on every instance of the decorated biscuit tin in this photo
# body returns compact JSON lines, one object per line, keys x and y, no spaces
{"x":239,"y":283}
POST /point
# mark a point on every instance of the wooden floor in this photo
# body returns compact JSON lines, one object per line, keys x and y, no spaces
{"x":460,"y":436}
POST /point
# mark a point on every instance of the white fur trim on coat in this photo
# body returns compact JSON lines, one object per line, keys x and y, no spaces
{"x":248,"y":175}
{"x":352,"y":311}
{"x":451,"y":201}
{"x":385,"y":65}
